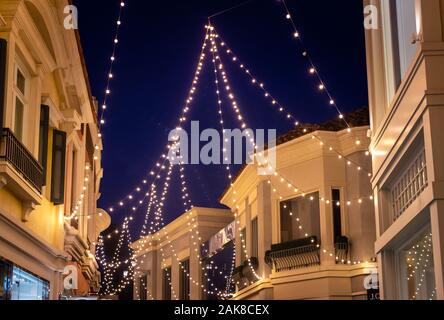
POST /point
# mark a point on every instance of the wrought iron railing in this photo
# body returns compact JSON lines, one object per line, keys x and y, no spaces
{"x":342,"y":250}
{"x":295,"y":254}
{"x":15,"y":153}
{"x":243,"y":276}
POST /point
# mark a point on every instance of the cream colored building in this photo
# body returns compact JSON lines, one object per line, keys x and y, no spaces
{"x":50,"y":163}
{"x":167,"y":262}
{"x":405,"y":55}
{"x":309,"y":231}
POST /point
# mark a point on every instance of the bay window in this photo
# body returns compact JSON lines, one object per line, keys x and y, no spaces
{"x":300,"y":218}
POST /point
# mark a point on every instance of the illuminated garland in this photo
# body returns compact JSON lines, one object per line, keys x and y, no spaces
{"x":322,"y":86}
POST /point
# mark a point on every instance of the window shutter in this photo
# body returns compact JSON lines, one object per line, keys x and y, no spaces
{"x":58,"y":167}
{"x":3,"y":45}
{"x":43,"y":139}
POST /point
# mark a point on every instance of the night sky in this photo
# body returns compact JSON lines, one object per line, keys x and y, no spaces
{"x":159,"y":45}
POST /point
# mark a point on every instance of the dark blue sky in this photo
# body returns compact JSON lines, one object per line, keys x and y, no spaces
{"x":159,"y":45}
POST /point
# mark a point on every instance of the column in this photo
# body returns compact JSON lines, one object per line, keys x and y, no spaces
{"x":264,"y":226}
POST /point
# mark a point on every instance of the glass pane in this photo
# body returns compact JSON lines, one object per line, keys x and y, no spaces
{"x":18,"y":119}
{"x":406,"y":23}
{"x":300,"y":218}
{"x":21,"y":81}
{"x":5,"y":280}
{"x":26,"y":286}
{"x":418,"y":274}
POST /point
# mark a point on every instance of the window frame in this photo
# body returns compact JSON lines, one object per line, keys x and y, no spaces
{"x":23,"y":97}
{"x":305,"y":195}
{"x":58,"y":200}
{"x":392,"y":51}
{"x":401,"y":289}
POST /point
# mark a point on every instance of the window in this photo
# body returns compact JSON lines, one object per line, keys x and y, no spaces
{"x":400,"y":31}
{"x":143,"y":288}
{"x":5,"y":280}
{"x":417,"y":269}
{"x":74,"y":223}
{"x":185,"y":280}
{"x":300,"y":218}
{"x":58,"y":167}
{"x":166,"y":283}
{"x":254,"y":238}
{"x":404,"y":34}
{"x":337,"y":220}
{"x":243,"y":256}
{"x":20,"y":94}
{"x":18,"y":284}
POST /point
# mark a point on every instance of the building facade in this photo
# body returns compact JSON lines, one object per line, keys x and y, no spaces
{"x":169,"y":264}
{"x":50,"y":162}
{"x":405,"y":55}
{"x":306,"y":232}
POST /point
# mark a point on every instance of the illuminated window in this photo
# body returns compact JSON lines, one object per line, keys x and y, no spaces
{"x":417,"y":268}
{"x":18,"y":284}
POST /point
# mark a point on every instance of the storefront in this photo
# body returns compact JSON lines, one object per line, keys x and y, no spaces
{"x":19,"y":284}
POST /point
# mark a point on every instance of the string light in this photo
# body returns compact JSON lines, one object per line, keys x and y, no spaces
{"x":289,"y":116}
{"x":312,"y":68}
{"x":221,"y":74}
{"x":216,"y":58}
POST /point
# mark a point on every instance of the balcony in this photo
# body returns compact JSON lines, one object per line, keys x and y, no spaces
{"x":243,"y":275}
{"x":342,"y":250}
{"x":20,"y":171}
{"x":294,"y":254}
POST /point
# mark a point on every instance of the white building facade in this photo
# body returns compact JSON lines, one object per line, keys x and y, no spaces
{"x":405,"y":55}
{"x":308,"y":231}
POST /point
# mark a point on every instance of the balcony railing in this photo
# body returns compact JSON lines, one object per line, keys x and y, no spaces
{"x":411,"y":184}
{"x":342,"y":250}
{"x":295,"y":254}
{"x":243,"y":276}
{"x":16,"y":154}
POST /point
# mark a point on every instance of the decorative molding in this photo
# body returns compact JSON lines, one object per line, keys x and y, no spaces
{"x":3,"y":182}
{"x":28,"y":208}
{"x":2,"y":21}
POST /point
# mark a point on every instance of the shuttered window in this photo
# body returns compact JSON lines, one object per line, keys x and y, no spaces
{"x":43,"y":139}
{"x":58,"y":167}
{"x":3,"y":46}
